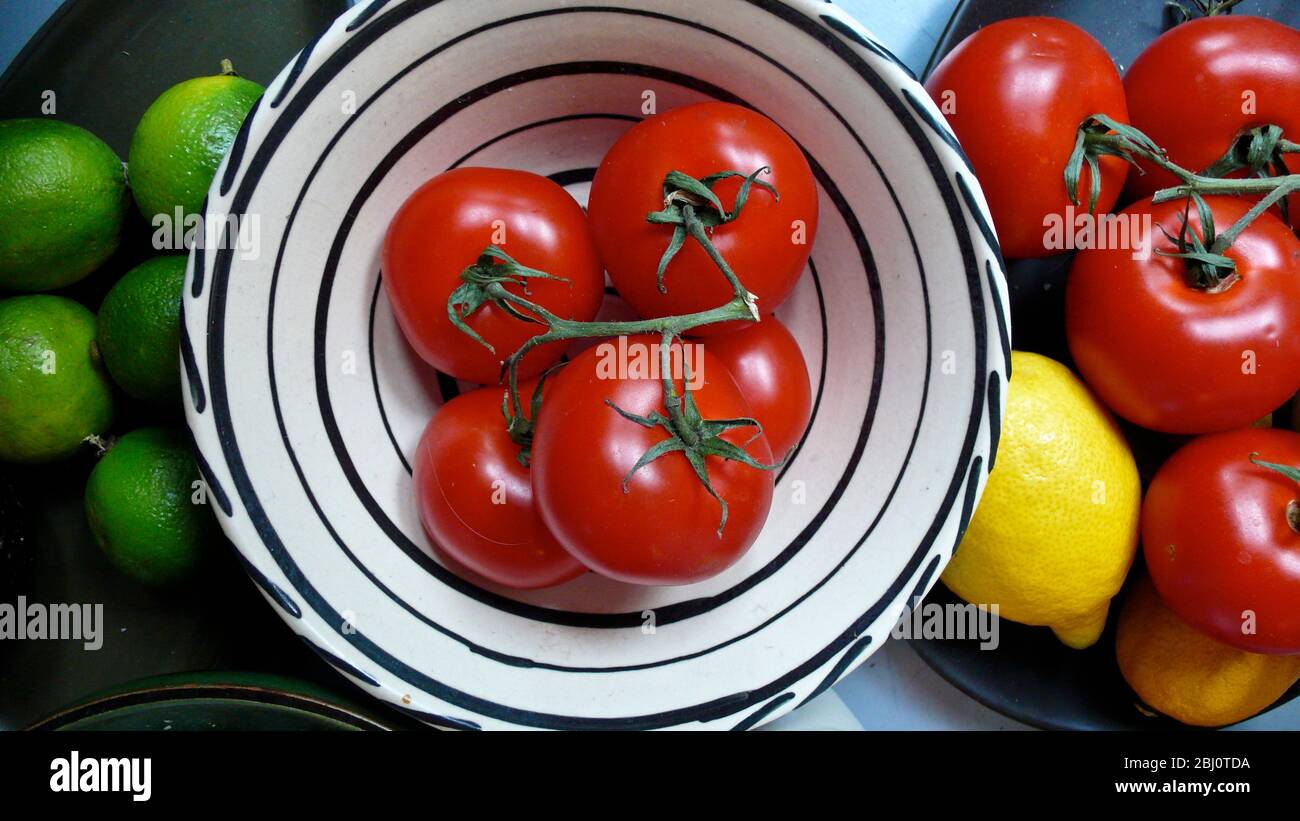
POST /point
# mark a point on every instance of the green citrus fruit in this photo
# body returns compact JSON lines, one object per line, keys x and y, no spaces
{"x":181,"y":140}
{"x":53,"y":389}
{"x":62,"y":201}
{"x":146,"y":507}
{"x":139,"y":331}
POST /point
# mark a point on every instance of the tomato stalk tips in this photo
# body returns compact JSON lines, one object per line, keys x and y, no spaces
{"x":1288,"y":471}
{"x":693,"y":210}
{"x":683,"y":194}
{"x":494,"y":267}
{"x":1293,"y":507}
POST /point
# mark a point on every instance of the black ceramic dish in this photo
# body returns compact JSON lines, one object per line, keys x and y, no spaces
{"x":1031,"y":676}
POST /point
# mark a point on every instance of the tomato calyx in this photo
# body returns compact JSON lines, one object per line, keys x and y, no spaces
{"x":1099,"y":136}
{"x":1293,"y":507}
{"x":484,"y":282}
{"x":1260,"y":152}
{"x":1207,"y":8}
{"x":690,"y":434}
{"x":691,"y":207}
{"x":520,"y":426}
{"x":1208,"y":266}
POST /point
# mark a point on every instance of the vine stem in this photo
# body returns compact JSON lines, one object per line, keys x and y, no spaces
{"x":740,"y":307}
{"x":1191,"y":181}
{"x":684,"y":197}
{"x":692,"y":209}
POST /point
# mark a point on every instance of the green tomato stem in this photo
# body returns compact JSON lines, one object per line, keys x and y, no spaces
{"x":687,"y":204}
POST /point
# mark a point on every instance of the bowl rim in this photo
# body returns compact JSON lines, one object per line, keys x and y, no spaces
{"x":971,"y":224}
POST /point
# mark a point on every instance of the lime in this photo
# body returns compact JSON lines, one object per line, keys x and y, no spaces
{"x":181,"y":140}
{"x":62,"y":200}
{"x":139,"y":331}
{"x":53,"y":390}
{"x":147,"y":508}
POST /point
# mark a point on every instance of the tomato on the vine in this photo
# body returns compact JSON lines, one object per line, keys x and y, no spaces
{"x":768,"y":367}
{"x":1015,"y":93}
{"x":476,"y":499}
{"x":664,"y":527}
{"x":1181,"y":359}
{"x":1203,"y":82}
{"x":1221,"y":536}
{"x":445,"y":226}
{"x":767,"y":246}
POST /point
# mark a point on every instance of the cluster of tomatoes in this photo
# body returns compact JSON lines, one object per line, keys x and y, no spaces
{"x":1198,"y":333}
{"x":589,"y":456}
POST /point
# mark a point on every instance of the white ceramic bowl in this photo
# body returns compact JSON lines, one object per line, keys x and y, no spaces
{"x":306,"y":404}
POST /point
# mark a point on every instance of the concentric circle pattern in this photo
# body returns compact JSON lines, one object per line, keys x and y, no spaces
{"x":306,"y":404}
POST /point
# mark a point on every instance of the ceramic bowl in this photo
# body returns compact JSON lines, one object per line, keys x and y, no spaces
{"x":306,"y":404}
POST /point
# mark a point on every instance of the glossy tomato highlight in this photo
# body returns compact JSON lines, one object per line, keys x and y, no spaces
{"x":476,"y":499}
{"x":1220,"y":536}
{"x":1015,"y":93}
{"x":767,"y":246}
{"x":1175,"y":358}
{"x":443,"y":228}
{"x":663,"y":529}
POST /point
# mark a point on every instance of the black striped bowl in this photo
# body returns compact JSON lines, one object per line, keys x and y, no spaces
{"x":306,"y":404}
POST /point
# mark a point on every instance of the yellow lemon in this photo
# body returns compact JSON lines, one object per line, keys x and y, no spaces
{"x":1057,"y":527}
{"x":1189,"y":676}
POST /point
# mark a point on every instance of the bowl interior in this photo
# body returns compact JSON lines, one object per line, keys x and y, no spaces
{"x":895,"y":316}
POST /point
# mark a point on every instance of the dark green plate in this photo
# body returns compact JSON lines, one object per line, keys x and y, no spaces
{"x":218,"y":701}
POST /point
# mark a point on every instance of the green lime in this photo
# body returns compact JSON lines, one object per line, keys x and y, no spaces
{"x":62,"y":200}
{"x":53,"y":389}
{"x":147,"y":507}
{"x":181,"y":140}
{"x":139,"y":330}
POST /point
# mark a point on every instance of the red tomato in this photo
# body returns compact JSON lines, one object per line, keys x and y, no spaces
{"x":1179,"y":359}
{"x":1221,"y":542}
{"x":1205,"y":81}
{"x":765,"y":246}
{"x":765,"y":361}
{"x":444,"y":227}
{"x":663,"y":529}
{"x":1015,"y":93}
{"x":476,"y":499}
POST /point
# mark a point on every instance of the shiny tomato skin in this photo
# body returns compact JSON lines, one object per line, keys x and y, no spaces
{"x":1015,"y":93}
{"x":1193,"y":90}
{"x":465,"y":450}
{"x":1217,"y":540}
{"x":444,"y":226}
{"x":663,"y":530}
{"x":1177,"y":359}
{"x":765,"y":361}
{"x":760,"y":246}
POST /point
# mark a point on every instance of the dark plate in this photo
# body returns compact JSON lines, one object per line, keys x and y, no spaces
{"x":218,"y":702}
{"x":106,"y":62}
{"x":1031,"y":676}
